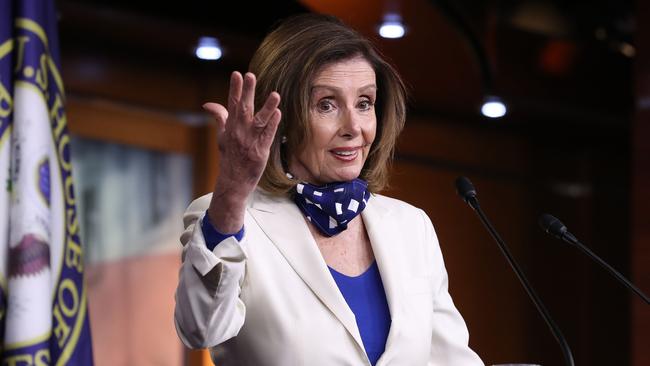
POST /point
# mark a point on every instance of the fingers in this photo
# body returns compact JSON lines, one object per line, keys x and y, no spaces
{"x":269,"y":132}
{"x":219,"y":113}
{"x":247,"y":101}
{"x":266,"y":112}
{"x":241,"y":105}
{"x":234,"y":94}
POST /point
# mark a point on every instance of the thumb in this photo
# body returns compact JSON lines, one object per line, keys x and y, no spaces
{"x":220,"y":114}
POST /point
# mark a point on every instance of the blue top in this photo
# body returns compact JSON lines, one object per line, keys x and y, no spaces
{"x":366,"y":298}
{"x":213,"y":236}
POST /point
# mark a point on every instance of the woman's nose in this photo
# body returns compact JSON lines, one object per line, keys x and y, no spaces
{"x":351,"y":125}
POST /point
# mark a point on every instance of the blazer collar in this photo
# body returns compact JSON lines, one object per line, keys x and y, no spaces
{"x":275,"y":214}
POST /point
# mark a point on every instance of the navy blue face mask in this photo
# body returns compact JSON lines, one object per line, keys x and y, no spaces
{"x":332,"y":206}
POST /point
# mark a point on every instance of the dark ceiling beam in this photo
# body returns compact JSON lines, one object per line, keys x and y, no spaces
{"x":100,"y":26}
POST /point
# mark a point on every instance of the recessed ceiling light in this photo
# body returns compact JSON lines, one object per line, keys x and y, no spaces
{"x":493,"y":107}
{"x":208,"y":48}
{"x":392,"y":27}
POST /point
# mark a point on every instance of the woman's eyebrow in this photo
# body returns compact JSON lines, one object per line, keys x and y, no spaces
{"x":326,"y":87}
{"x":371,"y":87}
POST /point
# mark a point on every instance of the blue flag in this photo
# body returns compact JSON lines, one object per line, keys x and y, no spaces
{"x":43,"y":308}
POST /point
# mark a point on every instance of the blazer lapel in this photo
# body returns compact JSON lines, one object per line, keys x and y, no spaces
{"x":283,"y":223}
{"x":385,"y":240}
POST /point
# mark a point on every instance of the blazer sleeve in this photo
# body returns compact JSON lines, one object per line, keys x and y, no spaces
{"x":208,"y":309}
{"x":450,"y":339}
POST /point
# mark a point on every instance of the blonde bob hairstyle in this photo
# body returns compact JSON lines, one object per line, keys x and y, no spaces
{"x":289,"y":59}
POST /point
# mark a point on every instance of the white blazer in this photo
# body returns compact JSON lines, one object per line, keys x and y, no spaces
{"x":271,"y":300}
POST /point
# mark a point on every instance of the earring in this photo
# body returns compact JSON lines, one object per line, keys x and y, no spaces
{"x":284,"y":139}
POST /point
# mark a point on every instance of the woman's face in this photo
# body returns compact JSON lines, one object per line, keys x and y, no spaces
{"x":343,"y":123}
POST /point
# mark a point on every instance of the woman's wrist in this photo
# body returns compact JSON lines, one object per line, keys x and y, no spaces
{"x":226,"y":210}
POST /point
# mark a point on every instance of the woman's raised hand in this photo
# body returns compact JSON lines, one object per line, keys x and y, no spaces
{"x":244,"y":138}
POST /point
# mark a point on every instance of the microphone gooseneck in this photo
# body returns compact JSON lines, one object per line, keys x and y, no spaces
{"x":554,"y":227}
{"x":467,"y":192}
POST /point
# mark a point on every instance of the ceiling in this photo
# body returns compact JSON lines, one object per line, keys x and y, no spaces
{"x":551,"y":60}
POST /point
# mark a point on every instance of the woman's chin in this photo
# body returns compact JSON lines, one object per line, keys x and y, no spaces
{"x":344,"y":175}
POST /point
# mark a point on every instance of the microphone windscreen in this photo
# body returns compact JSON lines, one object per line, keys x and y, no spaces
{"x":465,"y":188}
{"x":552,"y":225}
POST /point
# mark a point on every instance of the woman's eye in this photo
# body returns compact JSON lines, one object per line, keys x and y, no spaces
{"x":325,"y":106}
{"x":365,"y":105}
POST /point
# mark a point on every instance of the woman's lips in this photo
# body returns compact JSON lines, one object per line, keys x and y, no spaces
{"x":346,"y":153}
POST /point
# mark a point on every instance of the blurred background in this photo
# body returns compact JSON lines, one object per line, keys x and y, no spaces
{"x":573,"y":77}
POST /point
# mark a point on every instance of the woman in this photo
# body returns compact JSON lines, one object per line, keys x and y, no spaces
{"x":294,"y":259}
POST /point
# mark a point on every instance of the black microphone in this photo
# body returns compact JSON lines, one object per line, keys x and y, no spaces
{"x":555,"y":227}
{"x":467,"y":192}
